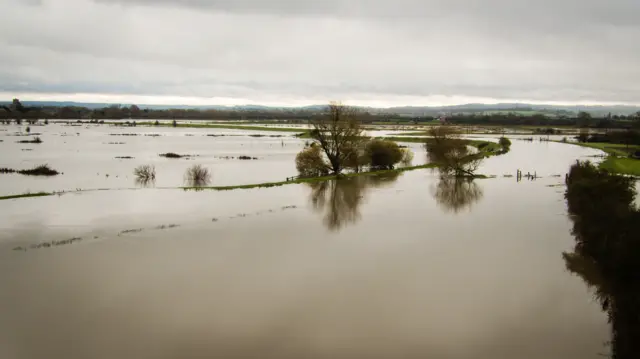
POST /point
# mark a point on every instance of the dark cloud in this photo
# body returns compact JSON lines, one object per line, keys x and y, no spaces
{"x":373,"y":50}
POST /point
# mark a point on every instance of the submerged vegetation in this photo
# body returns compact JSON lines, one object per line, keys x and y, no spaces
{"x":34,"y":140}
{"x":42,"y":170}
{"x":197,"y":176}
{"x":173,"y":155}
{"x":145,"y":173}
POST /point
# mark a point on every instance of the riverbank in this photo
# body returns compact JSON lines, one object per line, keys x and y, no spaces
{"x":618,"y":161}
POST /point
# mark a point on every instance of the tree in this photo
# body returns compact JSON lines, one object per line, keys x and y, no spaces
{"x":383,"y":154}
{"x":505,"y":143}
{"x":134,"y":111}
{"x":337,"y":133}
{"x":584,"y":119}
{"x":451,"y":153}
{"x":309,"y":162}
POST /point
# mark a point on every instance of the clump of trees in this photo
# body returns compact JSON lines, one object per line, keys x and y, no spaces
{"x":451,"y":153}
{"x":339,"y":145}
{"x":606,"y":223}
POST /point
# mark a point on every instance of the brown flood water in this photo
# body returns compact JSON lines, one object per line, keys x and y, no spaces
{"x":394,"y":267}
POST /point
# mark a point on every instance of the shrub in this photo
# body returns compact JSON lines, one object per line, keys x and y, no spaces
{"x":197,"y":176}
{"x":171,"y":155}
{"x":310,"y":163}
{"x":42,"y":170}
{"x":35,"y":140}
{"x":174,"y":123}
{"x":407,"y":157}
{"x":157,"y":123}
{"x":504,"y":142}
{"x":383,"y":154}
{"x":145,"y":172}
{"x":28,"y":129}
{"x":46,"y":122}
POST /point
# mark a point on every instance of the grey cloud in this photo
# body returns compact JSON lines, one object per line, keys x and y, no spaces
{"x":361,"y":50}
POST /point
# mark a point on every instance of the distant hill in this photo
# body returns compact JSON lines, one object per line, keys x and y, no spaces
{"x":412,"y":111}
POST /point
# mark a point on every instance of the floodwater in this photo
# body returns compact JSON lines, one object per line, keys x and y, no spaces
{"x":87,"y":156}
{"x":400,"y":266}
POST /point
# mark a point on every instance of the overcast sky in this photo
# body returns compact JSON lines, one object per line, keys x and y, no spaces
{"x":293,"y":52}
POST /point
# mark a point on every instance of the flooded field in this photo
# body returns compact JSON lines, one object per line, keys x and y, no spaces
{"x":397,"y":266}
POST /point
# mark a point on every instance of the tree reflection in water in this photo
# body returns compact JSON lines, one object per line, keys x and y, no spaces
{"x":456,"y":193}
{"x":606,"y":227}
{"x":340,"y":200}
{"x":145,"y":182}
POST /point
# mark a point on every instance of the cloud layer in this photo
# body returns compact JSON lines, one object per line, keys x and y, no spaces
{"x":375,"y":51}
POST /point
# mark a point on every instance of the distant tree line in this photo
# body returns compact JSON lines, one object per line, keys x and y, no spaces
{"x":16,"y":111}
{"x":582,"y":119}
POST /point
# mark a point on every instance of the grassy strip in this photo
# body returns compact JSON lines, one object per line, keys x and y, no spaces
{"x":626,"y":166}
{"x":311,"y":180}
{"x":25,"y":195}
{"x":613,"y":163}
{"x":610,"y":148}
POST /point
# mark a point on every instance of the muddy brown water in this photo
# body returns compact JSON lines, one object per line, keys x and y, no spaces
{"x":403,"y":266}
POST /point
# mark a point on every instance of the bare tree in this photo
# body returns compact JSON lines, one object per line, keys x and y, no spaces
{"x":451,"y":153}
{"x":338,"y":133}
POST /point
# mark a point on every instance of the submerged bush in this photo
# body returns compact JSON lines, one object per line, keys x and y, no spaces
{"x":42,"y":170}
{"x":35,"y":140}
{"x":310,"y":163}
{"x":197,"y":176}
{"x":145,"y":172}
{"x":504,"y":142}
{"x":407,"y":157}
{"x":172,"y":155}
{"x":383,"y":154}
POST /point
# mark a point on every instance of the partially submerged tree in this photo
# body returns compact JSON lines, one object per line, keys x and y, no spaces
{"x":504,"y":142}
{"x":338,"y":133}
{"x":310,"y":163}
{"x":197,"y":176}
{"x":383,"y":154}
{"x":145,"y":175}
{"x":451,"y":153}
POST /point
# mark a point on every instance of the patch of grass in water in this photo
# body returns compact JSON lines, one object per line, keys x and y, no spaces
{"x":42,"y":170}
{"x":167,"y":226}
{"x":35,"y":140}
{"x":50,"y":244}
{"x":26,"y":195}
{"x":173,"y":155}
{"x":618,"y":165}
{"x":129,"y":231}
